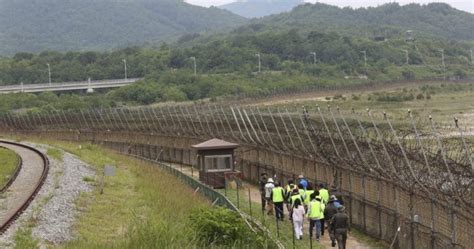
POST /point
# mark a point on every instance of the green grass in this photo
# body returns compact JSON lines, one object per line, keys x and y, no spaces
{"x":8,"y":164}
{"x":141,"y":206}
{"x":441,"y":101}
{"x":371,"y":242}
{"x":24,"y":239}
{"x":55,"y":153}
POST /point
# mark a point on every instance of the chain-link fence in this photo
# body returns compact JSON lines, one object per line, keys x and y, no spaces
{"x":409,"y":183}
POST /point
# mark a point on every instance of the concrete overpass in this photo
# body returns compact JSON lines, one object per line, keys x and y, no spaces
{"x":67,"y":86}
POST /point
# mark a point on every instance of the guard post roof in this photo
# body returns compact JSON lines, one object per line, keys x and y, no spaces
{"x":215,"y":144}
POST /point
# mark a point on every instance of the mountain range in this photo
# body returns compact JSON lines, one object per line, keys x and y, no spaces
{"x":103,"y":25}
{"x":260,"y":8}
{"x":38,"y":25}
{"x":431,"y":20}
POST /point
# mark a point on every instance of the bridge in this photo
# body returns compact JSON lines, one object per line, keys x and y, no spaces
{"x":67,"y":86}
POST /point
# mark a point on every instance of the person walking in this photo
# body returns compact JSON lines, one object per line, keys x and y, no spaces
{"x":339,"y":226}
{"x":302,"y":191}
{"x":336,"y":202}
{"x":295,"y":195}
{"x":278,"y":196}
{"x":324,"y":195}
{"x":315,"y":213}
{"x":268,"y":194}
{"x":261,"y":182}
{"x":307,"y":198}
{"x":303,"y":181}
{"x":298,"y":218}
{"x":288,"y":190}
{"x":329,"y":212}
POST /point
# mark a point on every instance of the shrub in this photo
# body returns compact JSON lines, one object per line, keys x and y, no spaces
{"x":394,"y":97}
{"x":420,"y":96}
{"x":220,"y":226}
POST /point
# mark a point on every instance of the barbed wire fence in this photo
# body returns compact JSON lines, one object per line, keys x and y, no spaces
{"x":414,"y":175}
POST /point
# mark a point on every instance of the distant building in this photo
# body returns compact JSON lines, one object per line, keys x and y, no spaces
{"x":409,"y":36}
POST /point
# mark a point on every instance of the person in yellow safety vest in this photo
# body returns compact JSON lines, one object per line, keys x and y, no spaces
{"x":278,"y":197}
{"x":302,"y":191}
{"x":307,"y":198}
{"x":294,"y":196}
{"x":315,"y":214}
{"x":324,"y":194}
{"x":288,"y":190}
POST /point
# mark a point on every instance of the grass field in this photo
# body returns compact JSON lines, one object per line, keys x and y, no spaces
{"x":141,"y":206}
{"x":8,"y":163}
{"x":442,"y":101}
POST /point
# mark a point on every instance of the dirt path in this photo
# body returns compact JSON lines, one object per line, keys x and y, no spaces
{"x":352,"y":242}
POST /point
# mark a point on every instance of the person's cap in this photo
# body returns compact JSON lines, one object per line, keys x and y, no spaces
{"x":333,"y":198}
{"x":341,"y":208}
{"x":270,"y":180}
{"x":300,"y":176}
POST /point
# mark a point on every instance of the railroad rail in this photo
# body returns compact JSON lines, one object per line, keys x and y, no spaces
{"x":28,"y":179}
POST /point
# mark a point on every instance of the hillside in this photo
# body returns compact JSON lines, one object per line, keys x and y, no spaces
{"x":392,"y":20}
{"x":60,"y":25}
{"x":260,"y":8}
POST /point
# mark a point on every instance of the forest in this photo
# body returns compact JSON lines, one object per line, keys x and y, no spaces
{"x":227,"y":64}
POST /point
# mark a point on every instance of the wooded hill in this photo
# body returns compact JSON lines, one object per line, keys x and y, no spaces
{"x":390,"y":20}
{"x":260,"y":8}
{"x":63,"y":25}
{"x":66,"y":25}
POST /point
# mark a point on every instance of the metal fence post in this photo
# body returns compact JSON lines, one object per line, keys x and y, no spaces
{"x":250,"y":203}
{"x":452,"y":219}
{"x":238,"y":199}
{"x":412,"y":223}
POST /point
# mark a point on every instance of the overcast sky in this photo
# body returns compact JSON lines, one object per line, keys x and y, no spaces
{"x":466,"y":5}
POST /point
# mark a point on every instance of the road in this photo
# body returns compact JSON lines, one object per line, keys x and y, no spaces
{"x":67,"y":86}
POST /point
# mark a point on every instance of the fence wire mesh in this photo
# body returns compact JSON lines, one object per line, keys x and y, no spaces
{"x":414,"y":174}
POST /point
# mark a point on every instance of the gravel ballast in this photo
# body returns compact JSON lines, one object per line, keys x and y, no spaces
{"x":53,"y":210}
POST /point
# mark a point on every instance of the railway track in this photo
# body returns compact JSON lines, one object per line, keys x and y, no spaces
{"x":25,"y":185}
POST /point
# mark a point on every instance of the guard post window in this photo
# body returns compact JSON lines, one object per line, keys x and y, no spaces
{"x":218,"y":162}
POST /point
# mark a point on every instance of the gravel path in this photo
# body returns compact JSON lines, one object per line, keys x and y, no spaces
{"x":53,"y":211}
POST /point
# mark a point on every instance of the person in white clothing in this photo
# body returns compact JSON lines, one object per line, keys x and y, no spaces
{"x":298,"y":218}
{"x":268,"y":193}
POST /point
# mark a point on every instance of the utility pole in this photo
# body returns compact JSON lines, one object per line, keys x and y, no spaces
{"x":406,"y":56}
{"x":49,"y":73}
{"x":125,"y":67}
{"x":314,"y":57}
{"x":442,"y":61}
{"x":194,"y":60}
{"x":365,"y":60}
{"x":472,"y":58}
{"x":259,"y":63}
